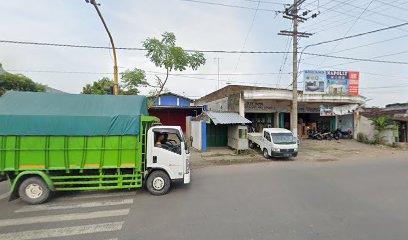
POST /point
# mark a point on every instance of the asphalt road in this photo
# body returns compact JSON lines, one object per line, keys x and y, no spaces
{"x":364,"y":199}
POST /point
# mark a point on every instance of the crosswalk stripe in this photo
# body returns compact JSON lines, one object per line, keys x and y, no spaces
{"x":45,"y":207}
{"x":63,"y":217}
{"x":4,"y":195}
{"x":63,"y":232}
{"x":103,"y":195}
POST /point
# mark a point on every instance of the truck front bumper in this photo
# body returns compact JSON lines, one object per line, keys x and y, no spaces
{"x":284,"y":154}
{"x":187,"y":177}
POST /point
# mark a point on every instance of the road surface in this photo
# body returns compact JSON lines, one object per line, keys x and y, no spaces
{"x":342,"y":200}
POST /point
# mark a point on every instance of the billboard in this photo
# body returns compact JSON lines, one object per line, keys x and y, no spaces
{"x":331,"y":82}
{"x":315,"y":81}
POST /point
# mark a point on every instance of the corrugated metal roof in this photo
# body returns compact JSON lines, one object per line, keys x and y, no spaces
{"x":226,"y":118}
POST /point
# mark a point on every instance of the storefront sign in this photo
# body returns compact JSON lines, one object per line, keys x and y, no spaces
{"x":265,"y":107}
{"x":337,"y":83}
{"x":353,"y":83}
{"x":314,"y":81}
{"x":331,"y":82}
{"x":326,"y":111}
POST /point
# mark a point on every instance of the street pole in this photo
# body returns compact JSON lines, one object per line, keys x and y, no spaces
{"x":115,"y":62}
{"x":292,"y":14}
{"x":218,"y":62}
{"x":294,"y":112}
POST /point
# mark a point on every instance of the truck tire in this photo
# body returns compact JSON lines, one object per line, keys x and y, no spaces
{"x":251,"y":145}
{"x":266,"y":154}
{"x":158,"y":183}
{"x":33,"y":190}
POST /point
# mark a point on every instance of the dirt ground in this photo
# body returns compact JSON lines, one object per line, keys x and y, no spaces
{"x":309,"y":150}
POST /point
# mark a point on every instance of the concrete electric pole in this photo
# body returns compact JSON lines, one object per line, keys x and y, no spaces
{"x":292,"y":14}
{"x":115,"y":61}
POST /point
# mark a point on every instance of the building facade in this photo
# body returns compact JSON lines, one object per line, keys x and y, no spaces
{"x":271,"y":107}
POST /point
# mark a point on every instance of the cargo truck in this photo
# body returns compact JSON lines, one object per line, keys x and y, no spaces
{"x":274,"y":142}
{"x":68,"y":142}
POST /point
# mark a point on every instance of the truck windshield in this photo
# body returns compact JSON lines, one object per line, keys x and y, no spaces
{"x":283,"y":138}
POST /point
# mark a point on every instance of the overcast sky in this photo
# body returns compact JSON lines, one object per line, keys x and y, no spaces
{"x":206,"y":27}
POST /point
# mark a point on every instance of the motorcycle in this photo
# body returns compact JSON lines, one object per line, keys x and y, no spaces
{"x":343,"y":134}
{"x":315,"y":135}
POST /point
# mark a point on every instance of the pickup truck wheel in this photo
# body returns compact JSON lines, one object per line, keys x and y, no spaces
{"x":33,"y":190}
{"x":251,"y":145}
{"x":158,"y":183}
{"x":266,"y":154}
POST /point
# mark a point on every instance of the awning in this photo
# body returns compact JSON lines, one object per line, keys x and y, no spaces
{"x":226,"y":118}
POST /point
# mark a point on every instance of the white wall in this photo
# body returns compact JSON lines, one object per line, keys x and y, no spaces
{"x":196,"y":131}
{"x":220,"y":105}
{"x":363,"y":125}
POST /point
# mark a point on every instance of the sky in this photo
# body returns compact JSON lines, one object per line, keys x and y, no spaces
{"x":242,"y":25}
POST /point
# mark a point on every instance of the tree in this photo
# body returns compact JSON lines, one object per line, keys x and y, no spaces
{"x":381,"y":124}
{"x":132,"y":80}
{"x":18,"y":82}
{"x":104,"y":86}
{"x":165,"y":54}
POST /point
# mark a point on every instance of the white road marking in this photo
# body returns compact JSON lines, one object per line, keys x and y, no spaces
{"x":45,"y":207}
{"x":63,"y":217}
{"x":62,"y":232}
{"x":4,"y":195}
{"x":103,"y":195}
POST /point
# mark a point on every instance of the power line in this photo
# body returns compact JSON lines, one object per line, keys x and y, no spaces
{"x":231,"y":52}
{"x":231,"y":6}
{"x":351,"y":27}
{"x":247,"y":36}
{"x":360,"y":34}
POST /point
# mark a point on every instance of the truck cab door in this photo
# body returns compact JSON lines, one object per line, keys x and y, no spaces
{"x":167,"y":152}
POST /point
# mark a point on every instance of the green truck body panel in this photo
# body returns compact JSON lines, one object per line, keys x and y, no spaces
{"x":68,"y":163}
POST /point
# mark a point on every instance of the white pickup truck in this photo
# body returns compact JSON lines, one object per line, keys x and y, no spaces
{"x":274,"y":142}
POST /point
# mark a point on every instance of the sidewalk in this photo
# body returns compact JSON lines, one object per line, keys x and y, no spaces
{"x":309,"y":150}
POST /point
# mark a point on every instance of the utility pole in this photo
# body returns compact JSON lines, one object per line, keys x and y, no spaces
{"x":292,"y":14}
{"x":115,"y":61}
{"x":218,"y":60}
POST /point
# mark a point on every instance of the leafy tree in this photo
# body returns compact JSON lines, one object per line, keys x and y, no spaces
{"x":18,"y":82}
{"x":103,"y":86}
{"x":132,"y":80}
{"x":381,"y":124}
{"x":166,"y":54}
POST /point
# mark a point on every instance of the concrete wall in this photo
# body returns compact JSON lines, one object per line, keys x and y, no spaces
{"x":196,"y":133}
{"x":363,"y":125}
{"x":345,"y":122}
{"x":219,"y":105}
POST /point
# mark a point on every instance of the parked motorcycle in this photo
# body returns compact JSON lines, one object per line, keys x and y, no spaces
{"x":343,"y":134}
{"x":315,"y":135}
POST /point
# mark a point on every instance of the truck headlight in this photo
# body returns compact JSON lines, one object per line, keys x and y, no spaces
{"x":187,"y":167}
{"x":275,"y":150}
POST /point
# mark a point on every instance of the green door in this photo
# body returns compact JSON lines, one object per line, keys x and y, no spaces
{"x":217,"y":135}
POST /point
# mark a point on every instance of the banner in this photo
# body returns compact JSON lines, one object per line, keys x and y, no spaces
{"x":314,"y":81}
{"x":353,"y":83}
{"x":337,"y":83}
{"x":331,"y":82}
{"x":326,"y":111}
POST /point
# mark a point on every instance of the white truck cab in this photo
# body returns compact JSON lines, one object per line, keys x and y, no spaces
{"x":274,"y":142}
{"x":167,"y":158}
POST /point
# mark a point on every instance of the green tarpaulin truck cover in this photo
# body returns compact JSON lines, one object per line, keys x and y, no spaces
{"x":29,"y":113}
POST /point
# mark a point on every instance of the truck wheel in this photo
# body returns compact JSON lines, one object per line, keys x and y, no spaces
{"x":265,"y":153}
{"x":251,"y":145}
{"x":158,"y":183}
{"x":33,"y":190}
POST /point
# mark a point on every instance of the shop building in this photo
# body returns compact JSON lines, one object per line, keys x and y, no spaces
{"x":271,"y":107}
{"x":172,"y":109}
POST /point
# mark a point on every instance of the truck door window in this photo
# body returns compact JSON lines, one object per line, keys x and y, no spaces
{"x":267,"y":136}
{"x":168,"y":141}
